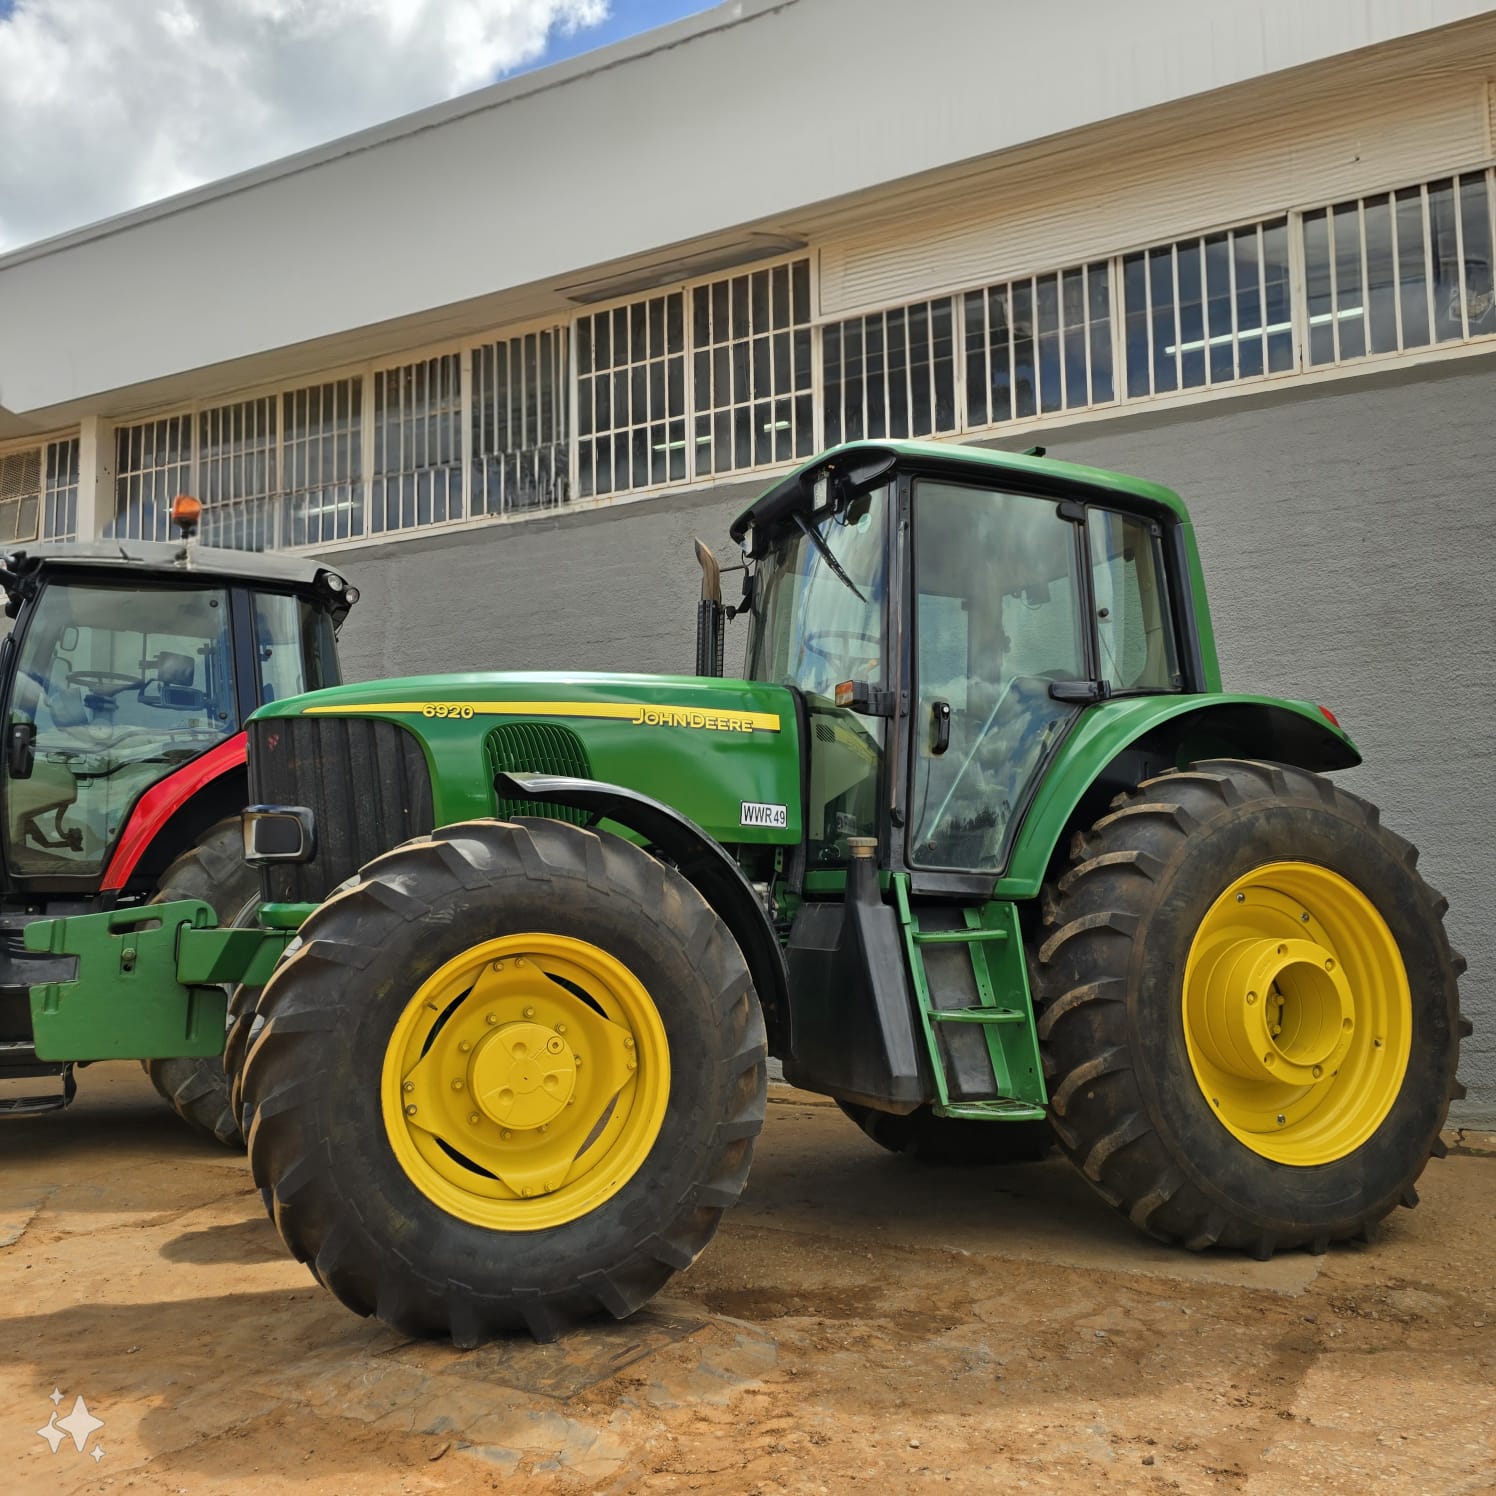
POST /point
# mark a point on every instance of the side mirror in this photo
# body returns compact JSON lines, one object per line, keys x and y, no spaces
{"x":22,"y":756}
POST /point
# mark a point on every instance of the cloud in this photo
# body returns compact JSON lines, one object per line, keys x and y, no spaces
{"x":107,"y":104}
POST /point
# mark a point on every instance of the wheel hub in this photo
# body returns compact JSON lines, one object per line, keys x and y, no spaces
{"x":1274,"y":1010}
{"x":523,"y":1075}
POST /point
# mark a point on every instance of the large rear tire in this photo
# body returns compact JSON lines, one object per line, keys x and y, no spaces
{"x":214,"y":871}
{"x":508,"y":1078}
{"x":1249,"y":1010}
{"x":957,"y":1141}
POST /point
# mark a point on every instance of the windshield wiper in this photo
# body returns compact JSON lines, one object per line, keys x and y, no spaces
{"x":815,"y":537}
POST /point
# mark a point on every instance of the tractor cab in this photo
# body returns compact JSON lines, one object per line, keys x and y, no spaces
{"x":128,"y":662}
{"x":994,"y":605}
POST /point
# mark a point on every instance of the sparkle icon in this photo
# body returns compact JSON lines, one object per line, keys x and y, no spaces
{"x":80,"y":1423}
{"x":51,"y":1433}
{"x":56,"y":1397}
{"x":97,"y":1453}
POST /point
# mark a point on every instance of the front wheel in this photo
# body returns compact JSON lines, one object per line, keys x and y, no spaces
{"x":1249,"y":1010}
{"x":509,"y":1077}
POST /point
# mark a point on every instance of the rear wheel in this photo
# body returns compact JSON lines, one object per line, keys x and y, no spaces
{"x":509,"y":1077}
{"x":1249,"y":1010}
{"x":952,"y":1140}
{"x":214,"y":871}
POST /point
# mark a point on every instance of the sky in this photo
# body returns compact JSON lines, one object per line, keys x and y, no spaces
{"x":109,"y":104}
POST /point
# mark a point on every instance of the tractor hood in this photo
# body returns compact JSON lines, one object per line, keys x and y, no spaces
{"x":724,"y":753}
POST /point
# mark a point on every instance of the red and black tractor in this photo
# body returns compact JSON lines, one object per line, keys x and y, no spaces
{"x":127,"y":676}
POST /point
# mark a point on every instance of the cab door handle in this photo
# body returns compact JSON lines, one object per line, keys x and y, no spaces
{"x":940,"y":720}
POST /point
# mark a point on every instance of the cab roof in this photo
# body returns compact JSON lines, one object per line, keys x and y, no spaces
{"x":866,"y":463}
{"x":172,"y":558}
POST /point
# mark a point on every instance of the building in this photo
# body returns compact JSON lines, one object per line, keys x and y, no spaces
{"x":504,"y":357}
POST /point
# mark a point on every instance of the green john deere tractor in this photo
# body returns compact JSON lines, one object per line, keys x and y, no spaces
{"x":978,"y":842}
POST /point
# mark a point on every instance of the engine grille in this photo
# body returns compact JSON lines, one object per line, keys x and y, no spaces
{"x":365,"y":780}
{"x":537,"y":748}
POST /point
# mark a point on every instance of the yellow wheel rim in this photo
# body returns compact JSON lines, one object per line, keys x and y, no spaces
{"x":1297,"y":1013}
{"x":525,"y":1082}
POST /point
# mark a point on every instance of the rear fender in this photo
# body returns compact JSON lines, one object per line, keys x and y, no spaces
{"x":1116,"y":743}
{"x":701,"y":861}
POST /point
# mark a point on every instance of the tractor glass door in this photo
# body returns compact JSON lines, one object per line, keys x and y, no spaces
{"x":999,"y":615}
{"x":813,"y":631}
{"x":115,"y":689}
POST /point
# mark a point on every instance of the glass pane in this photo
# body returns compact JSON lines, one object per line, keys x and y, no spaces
{"x":121,"y":687}
{"x":1381,"y":275}
{"x":1412,"y":272}
{"x":1133,"y":628}
{"x":1321,"y":301}
{"x":997,"y":618}
{"x":1350,"y":297}
{"x":1444,"y":255}
{"x":1251,"y":342}
{"x":1165,"y":324}
{"x":1475,"y":226}
{"x":1279,"y":309}
{"x":812,"y":631}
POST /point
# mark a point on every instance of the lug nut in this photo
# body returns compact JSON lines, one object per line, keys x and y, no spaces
{"x":1319,"y":1070}
{"x":632,"y":1065}
{"x":408,"y":1087}
{"x":628,"y":1042}
{"x":465,"y":1045}
{"x":542,"y":1127}
{"x":1251,"y":997}
{"x":410,"y":1111}
{"x":456,"y":1084}
{"x":505,"y":1134}
{"x":473,"y":1119}
{"x":498,"y":966}
{"x":1280,"y":1119}
{"x":560,"y":1028}
{"x":529,"y":1012}
{"x":491,"y":1019}
{"x":1305,"y":916}
{"x":1241,"y":898}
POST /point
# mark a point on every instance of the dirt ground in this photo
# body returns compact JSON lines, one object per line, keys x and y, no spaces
{"x":861,"y":1323}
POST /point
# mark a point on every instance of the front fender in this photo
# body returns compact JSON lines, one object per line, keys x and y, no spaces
{"x":1213,"y":726}
{"x":700,"y":860}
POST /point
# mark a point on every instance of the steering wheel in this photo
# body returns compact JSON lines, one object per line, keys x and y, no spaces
{"x":116,"y":678}
{"x":848,"y":634}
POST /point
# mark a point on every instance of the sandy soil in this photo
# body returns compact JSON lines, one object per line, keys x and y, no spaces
{"x":861,"y":1323}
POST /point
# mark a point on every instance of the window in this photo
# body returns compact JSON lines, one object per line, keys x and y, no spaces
{"x":813,"y":631}
{"x":60,"y":491}
{"x":417,"y":477}
{"x":153,"y":464}
{"x":1207,"y":311}
{"x":1037,"y":345}
{"x":323,"y":463}
{"x":294,"y":646}
{"x":751,"y":342}
{"x":118,"y":688}
{"x":519,"y":415}
{"x":238,"y":473}
{"x":1399,"y":270}
{"x":891,"y":374}
{"x":631,"y":396}
{"x":20,"y":491}
{"x":1133,"y":632}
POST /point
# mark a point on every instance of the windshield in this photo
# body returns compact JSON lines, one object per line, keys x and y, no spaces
{"x":120,"y":687}
{"x":813,"y":631}
{"x":998,"y":617}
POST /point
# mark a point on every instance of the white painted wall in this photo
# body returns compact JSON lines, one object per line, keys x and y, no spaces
{"x":751,"y":112}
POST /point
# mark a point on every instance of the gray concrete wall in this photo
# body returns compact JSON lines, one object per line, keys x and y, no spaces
{"x":1349,"y":541}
